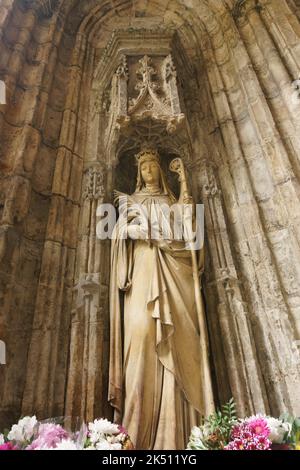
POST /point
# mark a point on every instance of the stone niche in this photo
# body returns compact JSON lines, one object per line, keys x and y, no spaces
{"x":136,"y":99}
{"x":147,"y":88}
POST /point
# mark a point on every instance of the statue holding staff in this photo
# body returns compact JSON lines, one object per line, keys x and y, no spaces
{"x":159,"y":379}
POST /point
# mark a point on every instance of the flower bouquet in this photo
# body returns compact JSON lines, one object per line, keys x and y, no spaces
{"x":224,"y":431}
{"x":31,"y":434}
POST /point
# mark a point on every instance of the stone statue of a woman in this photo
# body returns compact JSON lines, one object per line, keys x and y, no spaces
{"x":155,"y":382}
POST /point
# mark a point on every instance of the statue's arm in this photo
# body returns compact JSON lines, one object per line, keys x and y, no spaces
{"x":129,"y":210}
{"x":119,"y":198}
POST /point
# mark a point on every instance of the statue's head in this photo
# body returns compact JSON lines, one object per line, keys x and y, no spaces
{"x":150,"y":171}
{"x":149,"y":166}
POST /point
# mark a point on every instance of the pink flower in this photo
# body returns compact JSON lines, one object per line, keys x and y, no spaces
{"x":8,"y":446}
{"x":262,"y":443}
{"x":49,"y":435}
{"x":237,"y":444}
{"x":259,"y":426}
{"x":251,"y":434}
{"x":256,"y":443}
{"x":238,"y":430}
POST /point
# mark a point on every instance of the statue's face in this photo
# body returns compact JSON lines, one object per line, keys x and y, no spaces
{"x":150,"y":172}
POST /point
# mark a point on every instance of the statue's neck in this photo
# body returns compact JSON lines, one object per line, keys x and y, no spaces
{"x":152,"y":188}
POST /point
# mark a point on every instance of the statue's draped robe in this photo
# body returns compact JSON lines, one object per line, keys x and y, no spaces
{"x":155,"y":361}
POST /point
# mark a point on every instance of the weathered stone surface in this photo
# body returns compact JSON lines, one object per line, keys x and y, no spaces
{"x":66,"y":142}
{"x":43,"y":171}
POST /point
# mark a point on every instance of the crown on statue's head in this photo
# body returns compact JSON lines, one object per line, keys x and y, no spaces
{"x":146,"y":154}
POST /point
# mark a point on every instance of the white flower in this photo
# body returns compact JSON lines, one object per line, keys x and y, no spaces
{"x":16,"y":433}
{"x":278,"y":429}
{"x":24,"y":430}
{"x":103,"y":426}
{"x":105,"y":445}
{"x":1,"y":439}
{"x":66,"y":444}
{"x":120,"y":438}
{"x":201,"y":432}
{"x":100,"y":428}
{"x":116,"y":446}
{"x":199,"y":435}
{"x":196,"y":433}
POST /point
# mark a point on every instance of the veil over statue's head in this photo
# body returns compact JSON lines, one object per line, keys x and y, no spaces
{"x":151,"y":154}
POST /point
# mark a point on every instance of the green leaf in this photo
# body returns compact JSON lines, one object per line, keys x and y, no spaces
{"x":297,"y":423}
{"x":286,"y":417}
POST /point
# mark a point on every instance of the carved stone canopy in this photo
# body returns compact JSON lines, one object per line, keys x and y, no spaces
{"x":148,"y":92}
{"x":141,"y":91}
{"x":138,"y":93}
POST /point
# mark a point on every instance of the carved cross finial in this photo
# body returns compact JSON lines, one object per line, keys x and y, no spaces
{"x":145,"y":73}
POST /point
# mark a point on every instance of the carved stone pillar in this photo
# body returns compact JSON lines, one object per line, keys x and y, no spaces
{"x":285,"y":31}
{"x":86,"y":390}
{"x":47,"y":361}
{"x":121,"y":76}
{"x":235,"y":356}
{"x":170,"y":76}
{"x":256,"y":213}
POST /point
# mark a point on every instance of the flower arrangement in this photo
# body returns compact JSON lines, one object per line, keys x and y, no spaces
{"x":30,"y":434}
{"x":104,"y":435}
{"x":224,"y":431}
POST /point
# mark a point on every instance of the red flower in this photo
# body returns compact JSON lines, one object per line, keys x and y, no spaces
{"x":8,"y":446}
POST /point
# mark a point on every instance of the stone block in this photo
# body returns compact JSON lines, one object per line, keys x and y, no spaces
{"x":52,"y":127}
{"x":62,"y":172}
{"x":42,"y":178}
{"x":37,"y":218}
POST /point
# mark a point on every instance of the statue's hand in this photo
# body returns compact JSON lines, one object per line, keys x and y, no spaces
{"x":137,"y":232}
{"x":163,"y":244}
{"x":188,"y":200}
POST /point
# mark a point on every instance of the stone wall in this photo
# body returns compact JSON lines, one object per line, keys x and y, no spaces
{"x":237,"y":68}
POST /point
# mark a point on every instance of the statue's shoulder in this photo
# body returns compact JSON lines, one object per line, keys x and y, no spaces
{"x":119,"y":198}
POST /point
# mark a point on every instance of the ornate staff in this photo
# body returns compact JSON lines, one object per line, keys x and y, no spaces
{"x":177,"y":166}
